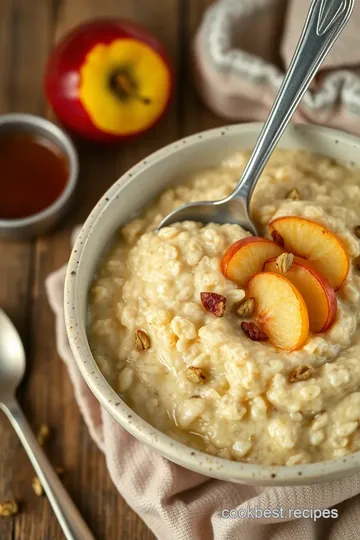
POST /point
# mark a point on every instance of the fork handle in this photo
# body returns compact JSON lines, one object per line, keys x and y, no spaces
{"x":325,"y":21}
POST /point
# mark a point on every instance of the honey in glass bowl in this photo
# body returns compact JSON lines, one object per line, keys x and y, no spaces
{"x":34,"y":172}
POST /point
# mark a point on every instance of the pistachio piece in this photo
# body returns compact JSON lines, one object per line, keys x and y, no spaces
{"x":246,"y":307}
{"x":293,"y":195}
{"x":301,"y":373}
{"x":194,"y":374}
{"x":142,"y":340}
{"x":213,"y":303}
{"x":284,"y":262}
{"x":253,"y":332}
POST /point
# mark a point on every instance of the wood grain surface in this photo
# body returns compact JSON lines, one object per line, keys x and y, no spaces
{"x":28,"y":30}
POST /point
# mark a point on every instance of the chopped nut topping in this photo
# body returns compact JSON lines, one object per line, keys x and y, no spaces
{"x":142,"y":340}
{"x":43,"y":435}
{"x":278,"y":239}
{"x":357,"y":231}
{"x":293,"y":194}
{"x":284,"y":262}
{"x":37,"y":487}
{"x":246,"y":307}
{"x":213,"y":303}
{"x":9,"y":508}
{"x":194,"y":374}
{"x":301,"y":373}
{"x":253,"y":332}
{"x":357,"y":263}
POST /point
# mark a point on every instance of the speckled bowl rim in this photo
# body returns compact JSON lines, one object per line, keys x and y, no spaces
{"x":183,"y":455}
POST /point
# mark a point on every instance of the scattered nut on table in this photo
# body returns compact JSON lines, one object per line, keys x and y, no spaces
{"x":37,"y":487}
{"x":43,"y":434}
{"x":9,"y":508}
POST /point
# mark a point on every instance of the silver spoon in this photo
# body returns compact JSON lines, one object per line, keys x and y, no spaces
{"x":324,"y":23}
{"x":12,"y":369}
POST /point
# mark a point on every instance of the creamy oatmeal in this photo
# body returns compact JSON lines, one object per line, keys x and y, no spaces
{"x":198,"y":377}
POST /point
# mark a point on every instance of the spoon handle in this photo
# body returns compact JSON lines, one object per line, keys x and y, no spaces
{"x":71,"y":522}
{"x":324,"y":23}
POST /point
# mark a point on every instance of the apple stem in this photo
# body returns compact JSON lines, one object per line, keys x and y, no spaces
{"x":125,"y":87}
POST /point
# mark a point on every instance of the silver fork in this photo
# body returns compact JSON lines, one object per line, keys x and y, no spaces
{"x":325,"y":21}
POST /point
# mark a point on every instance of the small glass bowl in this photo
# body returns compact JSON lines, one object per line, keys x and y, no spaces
{"x":45,"y":220}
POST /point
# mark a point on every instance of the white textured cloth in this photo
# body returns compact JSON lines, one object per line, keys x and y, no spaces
{"x":242,"y":48}
{"x":177,"y":504}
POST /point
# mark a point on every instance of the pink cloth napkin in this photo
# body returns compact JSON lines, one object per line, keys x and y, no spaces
{"x":242,"y":48}
{"x":177,"y":504}
{"x":238,"y":77}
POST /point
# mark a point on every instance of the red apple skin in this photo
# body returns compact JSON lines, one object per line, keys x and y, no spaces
{"x":62,"y":76}
{"x":328,"y":290}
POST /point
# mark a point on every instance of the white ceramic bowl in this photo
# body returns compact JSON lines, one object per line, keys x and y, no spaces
{"x":128,"y":196}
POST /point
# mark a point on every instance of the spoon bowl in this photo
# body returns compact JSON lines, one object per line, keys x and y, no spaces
{"x":12,"y":357}
{"x":229,"y":210}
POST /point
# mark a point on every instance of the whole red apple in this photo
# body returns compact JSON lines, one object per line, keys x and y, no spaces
{"x":108,"y":80}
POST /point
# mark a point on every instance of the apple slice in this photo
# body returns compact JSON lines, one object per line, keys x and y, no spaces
{"x":315,"y":243}
{"x":247,"y":257}
{"x":280,"y":310}
{"x":316,"y":290}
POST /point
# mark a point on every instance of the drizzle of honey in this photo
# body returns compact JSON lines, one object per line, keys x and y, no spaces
{"x":33,"y":173}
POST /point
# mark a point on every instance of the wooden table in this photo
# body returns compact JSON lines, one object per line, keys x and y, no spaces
{"x":28,"y":29}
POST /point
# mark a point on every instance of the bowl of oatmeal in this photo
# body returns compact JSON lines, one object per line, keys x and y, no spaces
{"x":222,"y":366}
